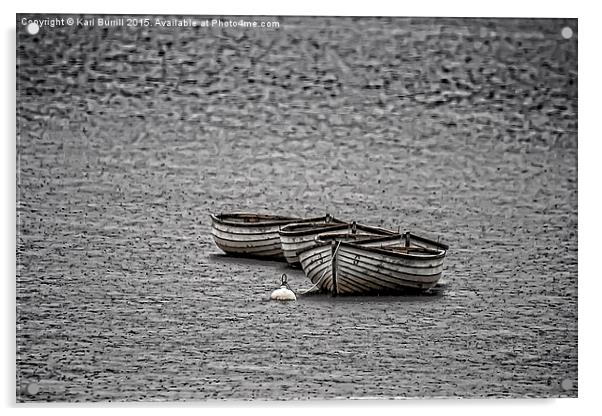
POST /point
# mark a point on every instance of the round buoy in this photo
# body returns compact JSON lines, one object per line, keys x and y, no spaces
{"x":285,"y":292}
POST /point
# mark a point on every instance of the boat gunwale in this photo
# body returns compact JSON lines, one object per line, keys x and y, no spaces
{"x":337,"y":225}
{"x":370,"y":259}
{"x":287,"y":232}
{"x":318,"y":243}
{"x":271,"y":220}
{"x":386,"y":251}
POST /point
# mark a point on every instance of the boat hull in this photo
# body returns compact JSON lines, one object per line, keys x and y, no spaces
{"x":351,"y":269}
{"x":240,"y":235}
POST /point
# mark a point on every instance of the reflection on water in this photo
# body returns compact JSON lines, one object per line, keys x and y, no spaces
{"x":459,"y":129}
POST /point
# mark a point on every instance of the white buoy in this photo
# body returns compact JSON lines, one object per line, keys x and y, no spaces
{"x":284,"y":293}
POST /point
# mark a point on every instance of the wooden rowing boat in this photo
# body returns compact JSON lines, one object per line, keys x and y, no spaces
{"x":299,"y":237}
{"x":252,"y":235}
{"x":343,"y":264}
{"x":249,"y":235}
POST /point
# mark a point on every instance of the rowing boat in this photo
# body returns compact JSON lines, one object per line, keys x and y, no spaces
{"x":249,"y":235}
{"x":298,"y":237}
{"x":252,"y":235}
{"x":343,"y":264}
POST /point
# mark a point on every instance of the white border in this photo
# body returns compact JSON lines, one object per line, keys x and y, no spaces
{"x":456,"y":8}
{"x":589,"y":224}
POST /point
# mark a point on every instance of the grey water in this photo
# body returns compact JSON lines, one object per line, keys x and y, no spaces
{"x":127,"y":138}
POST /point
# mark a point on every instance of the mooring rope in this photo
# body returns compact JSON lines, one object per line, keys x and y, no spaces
{"x":323,"y":273}
{"x":317,"y":283}
{"x":311,"y":288}
{"x":336,"y":250}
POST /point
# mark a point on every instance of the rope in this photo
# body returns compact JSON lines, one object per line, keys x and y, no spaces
{"x":308,"y":290}
{"x":314,"y":286}
{"x":336,"y":250}
{"x":323,"y":273}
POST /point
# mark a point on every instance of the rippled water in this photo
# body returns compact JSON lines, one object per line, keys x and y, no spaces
{"x":459,"y":129}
